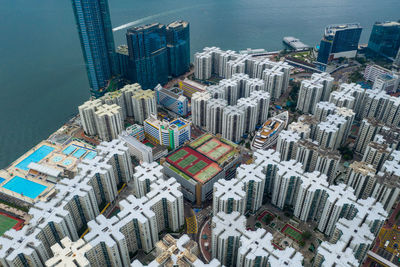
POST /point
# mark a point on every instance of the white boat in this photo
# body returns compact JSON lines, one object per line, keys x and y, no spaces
{"x":267,"y":136}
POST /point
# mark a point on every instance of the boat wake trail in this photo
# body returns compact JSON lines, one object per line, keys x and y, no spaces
{"x":140,"y":21}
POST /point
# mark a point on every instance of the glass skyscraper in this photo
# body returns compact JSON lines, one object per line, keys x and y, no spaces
{"x":339,"y":41}
{"x":178,"y":43}
{"x":385,"y":39}
{"x":158,"y":52}
{"x":95,"y":32}
{"x":148,"y":54}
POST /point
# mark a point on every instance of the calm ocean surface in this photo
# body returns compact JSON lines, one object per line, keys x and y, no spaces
{"x":43,"y":79}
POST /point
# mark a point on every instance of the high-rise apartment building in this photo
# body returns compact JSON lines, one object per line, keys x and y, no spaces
{"x":263,"y":99}
{"x":287,"y":144}
{"x":116,"y":153}
{"x":87,"y":115}
{"x":368,"y":129}
{"x":233,"y":123}
{"x":376,"y":154}
{"x":313,"y":91}
{"x":231,"y":87}
{"x":97,"y":42}
{"x":68,"y":253}
{"x":215,"y":111}
{"x":226,"y":232}
{"x":250,"y":107}
{"x":339,"y":41}
{"x":109,"y":121}
{"x":229,"y":196}
{"x":144,"y":104}
{"x":323,"y":109}
{"x":315,"y":158}
{"x":245,"y":69}
{"x":199,"y":109}
{"x":117,"y":98}
{"x":361,"y":177}
{"x":146,"y":174}
{"x":108,"y":243}
{"x":253,"y":178}
{"x":203,"y":65}
{"x":256,"y":247}
{"x":216,"y":91}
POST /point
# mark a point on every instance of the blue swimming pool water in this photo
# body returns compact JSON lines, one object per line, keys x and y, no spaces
{"x":36,"y":156}
{"x":25,"y":187}
{"x":90,"y":155}
{"x":79,"y":153}
{"x":57,"y":159}
{"x":69,"y":150}
{"x":67,"y":162}
{"x":2,"y":180}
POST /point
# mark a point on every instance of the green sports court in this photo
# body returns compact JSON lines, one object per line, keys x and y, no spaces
{"x":189,"y":160}
{"x":6,"y":223}
{"x":197,"y":167}
{"x":292,"y":232}
{"x":178,"y":155}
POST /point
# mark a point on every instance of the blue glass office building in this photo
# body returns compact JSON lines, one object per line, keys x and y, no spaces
{"x":385,"y":39}
{"x":95,"y":32}
{"x":148,"y":54}
{"x":157,"y":52}
{"x":178,"y":44}
{"x":339,"y":41}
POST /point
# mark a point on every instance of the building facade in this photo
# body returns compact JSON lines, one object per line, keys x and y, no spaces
{"x":339,"y":41}
{"x":97,"y":42}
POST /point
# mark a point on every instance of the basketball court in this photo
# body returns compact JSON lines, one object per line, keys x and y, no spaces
{"x":292,"y":232}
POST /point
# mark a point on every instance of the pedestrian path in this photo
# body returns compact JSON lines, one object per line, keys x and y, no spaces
{"x":191,"y":225}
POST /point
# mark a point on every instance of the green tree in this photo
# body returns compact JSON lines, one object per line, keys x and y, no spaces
{"x":306,"y":235}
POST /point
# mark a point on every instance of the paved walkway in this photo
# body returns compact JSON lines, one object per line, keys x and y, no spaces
{"x":205,"y":240}
{"x":191,"y":225}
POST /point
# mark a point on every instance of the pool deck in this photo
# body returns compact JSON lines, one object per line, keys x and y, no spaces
{"x":65,"y":162}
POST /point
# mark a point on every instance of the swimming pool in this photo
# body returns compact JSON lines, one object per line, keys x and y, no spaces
{"x":25,"y":187}
{"x":69,"y":150}
{"x":36,"y":156}
{"x":2,"y":180}
{"x":79,"y":153}
{"x":67,"y":162}
{"x":90,"y":155}
{"x":57,"y":159}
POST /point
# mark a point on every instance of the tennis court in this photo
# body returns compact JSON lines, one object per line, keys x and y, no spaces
{"x":207,"y":147}
{"x":6,"y":223}
{"x":193,"y":164}
{"x":208,"y":173}
{"x":184,"y":163}
{"x":178,"y":155}
{"x":201,"y":140}
{"x":292,"y":232}
{"x":219,"y":152}
{"x":197,"y":167}
{"x":214,"y":149}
